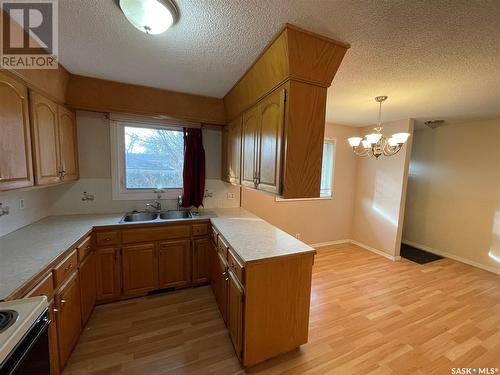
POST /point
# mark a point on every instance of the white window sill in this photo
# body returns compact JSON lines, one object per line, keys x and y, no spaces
{"x":278,"y":199}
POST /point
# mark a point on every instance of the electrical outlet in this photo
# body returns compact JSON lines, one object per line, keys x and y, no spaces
{"x":297,"y":236}
{"x":230,"y":196}
{"x":21,"y":204}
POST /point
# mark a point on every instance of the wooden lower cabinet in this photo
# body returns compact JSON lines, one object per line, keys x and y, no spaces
{"x":201,"y":250}
{"x":174,"y":263}
{"x":219,"y":283}
{"x":88,"y":286}
{"x":55,"y":368}
{"x":140,"y":272}
{"x":108,"y":274}
{"x":264,"y":303}
{"x":69,"y":318}
{"x":235,"y":300}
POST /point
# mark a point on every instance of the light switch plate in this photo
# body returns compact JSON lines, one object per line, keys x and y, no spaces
{"x":230,"y":196}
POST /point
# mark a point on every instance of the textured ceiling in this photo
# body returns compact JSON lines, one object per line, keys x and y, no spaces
{"x":433,"y":58}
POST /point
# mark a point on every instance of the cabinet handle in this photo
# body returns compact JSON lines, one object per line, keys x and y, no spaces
{"x":226,"y":279}
{"x":62,"y":302}
{"x":70,"y":266}
{"x":55,"y":310}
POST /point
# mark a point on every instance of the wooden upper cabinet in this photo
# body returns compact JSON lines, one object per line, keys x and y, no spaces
{"x":45,"y":139}
{"x":234,"y":151}
{"x":272,"y":116}
{"x":174,"y":263}
{"x":140,"y":274}
{"x":250,"y":147}
{"x":224,"y":157}
{"x":16,"y":169}
{"x":68,"y":144}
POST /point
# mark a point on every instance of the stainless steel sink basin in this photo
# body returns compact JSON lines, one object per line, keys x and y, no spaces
{"x":172,"y":215}
{"x":139,"y":216}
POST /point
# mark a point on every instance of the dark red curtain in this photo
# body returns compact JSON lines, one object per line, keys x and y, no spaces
{"x":194,"y":168}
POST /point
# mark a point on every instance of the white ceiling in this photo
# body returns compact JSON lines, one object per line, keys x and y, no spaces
{"x":433,"y":58}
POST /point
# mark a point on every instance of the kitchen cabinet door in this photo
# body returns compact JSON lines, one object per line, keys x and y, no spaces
{"x":53,"y":340}
{"x":88,"y":287}
{"x":174,"y":263}
{"x":45,"y":139}
{"x":272,"y":115}
{"x":201,"y":251}
{"x":16,"y":169}
{"x":224,"y":155}
{"x":250,"y":147}
{"x":69,"y":318}
{"x":108,"y":274}
{"x":234,"y":151}
{"x":140,"y":272}
{"x":68,"y":144}
{"x":235,"y":313}
{"x":220,"y":285}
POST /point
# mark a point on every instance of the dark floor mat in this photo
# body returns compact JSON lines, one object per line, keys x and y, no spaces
{"x":417,"y":255}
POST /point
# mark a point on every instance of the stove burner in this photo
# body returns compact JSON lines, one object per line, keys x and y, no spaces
{"x":7,"y":318}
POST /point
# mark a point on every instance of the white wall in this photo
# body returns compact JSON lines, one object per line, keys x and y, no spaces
{"x":453,"y":204}
{"x":317,"y":221}
{"x":36,"y":207}
{"x":95,"y":173}
{"x":380,"y":195}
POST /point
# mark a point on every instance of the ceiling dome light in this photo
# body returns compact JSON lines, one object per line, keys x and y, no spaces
{"x":150,"y":16}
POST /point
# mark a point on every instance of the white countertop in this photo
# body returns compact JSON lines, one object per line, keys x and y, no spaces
{"x":29,"y":250}
{"x":255,"y":239}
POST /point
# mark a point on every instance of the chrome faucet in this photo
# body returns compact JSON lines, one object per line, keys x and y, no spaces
{"x":179,"y":202}
{"x":156,"y":205}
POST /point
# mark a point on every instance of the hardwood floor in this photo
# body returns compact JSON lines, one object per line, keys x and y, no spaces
{"x":368,"y":316}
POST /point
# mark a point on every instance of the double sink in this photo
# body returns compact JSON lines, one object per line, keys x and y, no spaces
{"x":136,"y":216}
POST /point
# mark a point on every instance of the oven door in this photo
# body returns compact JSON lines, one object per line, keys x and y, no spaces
{"x":31,"y":354}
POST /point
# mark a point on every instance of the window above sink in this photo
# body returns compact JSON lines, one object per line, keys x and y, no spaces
{"x":146,"y":159}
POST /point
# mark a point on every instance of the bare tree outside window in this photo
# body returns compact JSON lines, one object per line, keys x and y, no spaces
{"x":154,"y":158}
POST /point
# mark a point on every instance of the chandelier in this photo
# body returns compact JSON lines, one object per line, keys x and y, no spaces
{"x":376,"y":144}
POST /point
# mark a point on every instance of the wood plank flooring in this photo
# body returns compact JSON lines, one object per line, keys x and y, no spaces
{"x":369,"y":315}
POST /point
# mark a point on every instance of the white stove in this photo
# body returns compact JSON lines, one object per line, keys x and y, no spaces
{"x":18,"y":319}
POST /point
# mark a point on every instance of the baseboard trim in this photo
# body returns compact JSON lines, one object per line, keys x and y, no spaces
{"x":366,"y":247}
{"x":452,"y":256}
{"x":329,"y":243}
{"x":376,"y":251}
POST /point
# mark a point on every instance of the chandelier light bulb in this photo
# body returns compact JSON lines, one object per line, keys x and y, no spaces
{"x":354,"y":141}
{"x":373,"y":138}
{"x":400,"y":138}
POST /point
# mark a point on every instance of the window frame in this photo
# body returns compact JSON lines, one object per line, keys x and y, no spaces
{"x":118,"y":167}
{"x":333,"y":142}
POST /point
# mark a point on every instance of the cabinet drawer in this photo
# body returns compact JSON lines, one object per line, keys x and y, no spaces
{"x":65,"y":268}
{"x":106,"y":238}
{"x":200,"y":229}
{"x":235,"y":266}
{"x":84,"y":249}
{"x":156,"y":233}
{"x":222,"y":246}
{"x":44,"y":288}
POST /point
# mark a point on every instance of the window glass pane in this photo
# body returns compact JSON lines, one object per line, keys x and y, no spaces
{"x":327,"y":169}
{"x":154,"y":158}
